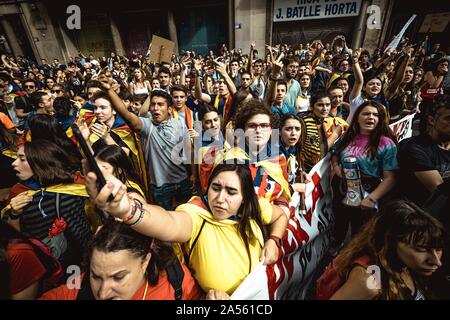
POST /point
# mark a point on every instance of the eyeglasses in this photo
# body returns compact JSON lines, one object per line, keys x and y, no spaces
{"x":344,"y":65}
{"x":29,"y":87}
{"x":55,"y":91}
{"x":253,"y":126}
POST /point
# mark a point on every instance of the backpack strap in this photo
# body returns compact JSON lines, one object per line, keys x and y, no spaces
{"x":187,"y":257}
{"x":58,"y":205}
{"x":175,"y":275}
{"x":85,"y":292}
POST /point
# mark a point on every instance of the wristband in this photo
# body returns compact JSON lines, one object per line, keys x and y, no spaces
{"x":277,"y":241}
{"x":141,"y":216}
{"x":132,"y":213}
{"x":372,"y":199}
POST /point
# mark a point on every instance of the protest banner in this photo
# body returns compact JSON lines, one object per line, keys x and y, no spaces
{"x":402,"y":129}
{"x":161,"y":50}
{"x":394,"y":43}
{"x":303,"y":246}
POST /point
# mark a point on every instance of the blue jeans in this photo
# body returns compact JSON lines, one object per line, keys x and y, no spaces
{"x":164,"y":195}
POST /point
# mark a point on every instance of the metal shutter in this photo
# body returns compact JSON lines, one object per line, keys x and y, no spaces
{"x":296,"y":32}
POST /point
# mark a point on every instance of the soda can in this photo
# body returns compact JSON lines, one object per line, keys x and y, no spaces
{"x":352,"y":175}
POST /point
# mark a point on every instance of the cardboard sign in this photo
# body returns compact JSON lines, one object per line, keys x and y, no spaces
{"x":161,"y":50}
{"x":436,"y":22}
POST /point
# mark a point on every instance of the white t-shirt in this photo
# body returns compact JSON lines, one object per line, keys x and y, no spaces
{"x":354,"y":105}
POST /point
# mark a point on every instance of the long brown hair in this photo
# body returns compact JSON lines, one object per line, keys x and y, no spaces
{"x":382,"y":129}
{"x":399,"y":221}
{"x":50,"y":163}
{"x":249,"y":208}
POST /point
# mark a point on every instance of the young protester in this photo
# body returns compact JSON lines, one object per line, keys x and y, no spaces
{"x":339,"y":108}
{"x":290,"y":145}
{"x":371,"y":142}
{"x":139,"y":85}
{"x":8,"y":153}
{"x":26,"y":268}
{"x":433,"y":83}
{"x":224,"y":99}
{"x":425,"y":160}
{"x":403,"y":242}
{"x":319,"y":130}
{"x":161,"y":136}
{"x":123,"y":264}
{"x":366,"y":89}
{"x":223,"y":231}
{"x":48,"y":204}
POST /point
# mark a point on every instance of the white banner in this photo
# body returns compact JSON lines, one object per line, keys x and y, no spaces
{"x":394,"y":43}
{"x":303,"y":246}
{"x":291,"y":10}
{"x":403,"y":128}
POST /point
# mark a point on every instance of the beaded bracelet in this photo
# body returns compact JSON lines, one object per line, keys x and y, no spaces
{"x":132,"y":213}
{"x":141,"y":216}
{"x":139,"y":206}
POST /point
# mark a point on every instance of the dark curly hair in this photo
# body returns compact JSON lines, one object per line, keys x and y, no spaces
{"x":252,"y":108}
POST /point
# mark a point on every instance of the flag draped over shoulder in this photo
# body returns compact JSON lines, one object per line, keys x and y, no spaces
{"x":272,"y":169}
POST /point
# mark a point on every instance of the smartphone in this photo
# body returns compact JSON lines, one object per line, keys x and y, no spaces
{"x":91,"y":160}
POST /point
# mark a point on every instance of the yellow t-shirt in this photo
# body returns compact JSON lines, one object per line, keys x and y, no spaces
{"x":329,"y":121}
{"x":219,"y":258}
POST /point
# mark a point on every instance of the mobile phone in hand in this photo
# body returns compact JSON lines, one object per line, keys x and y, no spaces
{"x":101,"y":182}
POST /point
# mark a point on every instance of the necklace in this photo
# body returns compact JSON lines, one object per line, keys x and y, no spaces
{"x":145,"y":291}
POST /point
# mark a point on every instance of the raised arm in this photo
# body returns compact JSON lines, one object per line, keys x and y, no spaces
{"x":250,"y":59}
{"x":222,"y":69}
{"x":199,"y":95}
{"x":274,"y":74}
{"x":398,"y":77}
{"x":130,"y":118}
{"x":359,"y":80}
{"x":387,"y":57}
{"x":155,"y":221}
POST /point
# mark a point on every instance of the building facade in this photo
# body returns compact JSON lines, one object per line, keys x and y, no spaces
{"x":41,"y":29}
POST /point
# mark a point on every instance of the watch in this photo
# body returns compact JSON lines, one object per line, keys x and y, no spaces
{"x":277,"y":241}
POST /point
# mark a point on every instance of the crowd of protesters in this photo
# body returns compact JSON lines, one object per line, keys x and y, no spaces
{"x":201,"y":156}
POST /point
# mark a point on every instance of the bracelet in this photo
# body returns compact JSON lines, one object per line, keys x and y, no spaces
{"x":277,"y":240}
{"x":136,"y":204}
{"x":372,"y":199}
{"x":141,"y":216}
{"x":133,"y":210}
